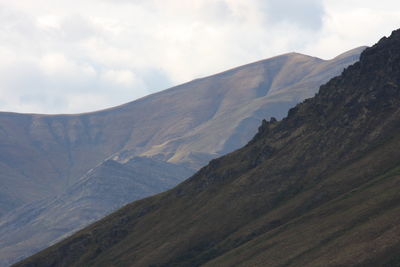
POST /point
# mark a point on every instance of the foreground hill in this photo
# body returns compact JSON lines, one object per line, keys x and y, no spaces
{"x":61,"y":172}
{"x":319,"y":188}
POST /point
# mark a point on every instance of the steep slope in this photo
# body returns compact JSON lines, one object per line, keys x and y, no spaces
{"x":319,"y":188}
{"x":189,"y":124}
{"x":104,"y":189}
{"x":277,"y":85}
{"x":185,"y":126}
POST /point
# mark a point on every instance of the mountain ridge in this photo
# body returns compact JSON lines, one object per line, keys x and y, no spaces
{"x":329,"y":165}
{"x":350,"y":52}
{"x":67,"y":146}
{"x":185,"y":127}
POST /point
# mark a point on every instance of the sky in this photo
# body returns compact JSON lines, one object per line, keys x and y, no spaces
{"x":59,"y":56}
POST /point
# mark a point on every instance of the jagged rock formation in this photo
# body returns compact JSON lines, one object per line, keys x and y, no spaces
{"x":319,"y":188}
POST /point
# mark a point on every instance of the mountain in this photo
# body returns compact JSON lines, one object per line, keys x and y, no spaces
{"x":318,"y":188}
{"x":104,"y":189}
{"x":192,"y":123}
{"x":62,"y":172}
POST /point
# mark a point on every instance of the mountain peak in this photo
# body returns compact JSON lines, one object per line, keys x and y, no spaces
{"x":304,"y":192}
{"x":185,"y":126}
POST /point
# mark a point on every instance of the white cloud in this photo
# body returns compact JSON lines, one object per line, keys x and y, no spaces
{"x":56,"y":64}
{"x":352,"y":23}
{"x":123,"y":77}
{"x":59,"y":56}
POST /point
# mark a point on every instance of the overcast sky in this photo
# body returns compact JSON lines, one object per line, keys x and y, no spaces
{"x":61,"y":56}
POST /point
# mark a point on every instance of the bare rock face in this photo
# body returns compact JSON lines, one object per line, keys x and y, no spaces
{"x":46,"y":160}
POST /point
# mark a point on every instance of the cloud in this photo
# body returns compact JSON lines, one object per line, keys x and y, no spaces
{"x":124,"y":78}
{"x":305,"y":14}
{"x":59,"y":56}
{"x":353,"y":23}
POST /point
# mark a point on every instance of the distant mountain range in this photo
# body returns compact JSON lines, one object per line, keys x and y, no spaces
{"x":318,"y":188}
{"x":61,"y":172}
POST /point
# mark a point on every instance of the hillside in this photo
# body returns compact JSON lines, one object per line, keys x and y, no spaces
{"x":44,"y":154}
{"x":104,"y":189}
{"x":49,"y":159}
{"x":319,"y":188}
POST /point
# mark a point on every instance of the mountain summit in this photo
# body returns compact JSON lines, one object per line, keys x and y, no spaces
{"x":318,"y":188}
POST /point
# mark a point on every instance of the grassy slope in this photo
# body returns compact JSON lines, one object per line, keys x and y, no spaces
{"x":353,"y":228}
{"x":366,"y":213}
